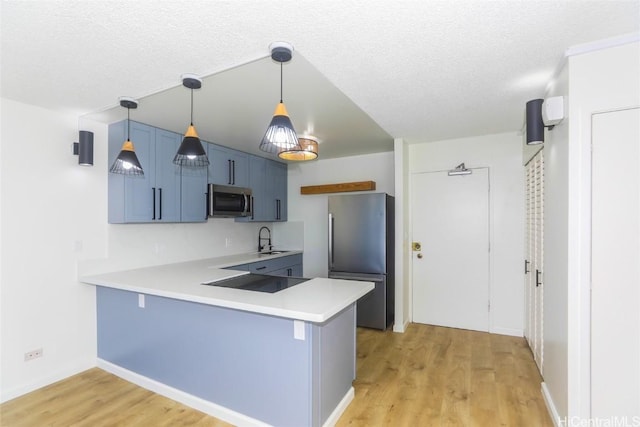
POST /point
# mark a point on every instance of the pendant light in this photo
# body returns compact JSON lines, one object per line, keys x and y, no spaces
{"x":191,"y":153}
{"x":280,"y":135}
{"x":127,"y":162}
{"x":308,"y":150}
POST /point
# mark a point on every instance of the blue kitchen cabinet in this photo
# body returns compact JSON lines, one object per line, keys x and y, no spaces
{"x":257,"y":173}
{"x":292,"y":271}
{"x":166,"y":192}
{"x":227,"y":166}
{"x":167,"y":186}
{"x":130,"y":197}
{"x":277,"y":193}
{"x":193,"y":190}
{"x":268,"y":182}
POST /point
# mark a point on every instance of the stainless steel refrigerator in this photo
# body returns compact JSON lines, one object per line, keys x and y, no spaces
{"x":361,"y":247}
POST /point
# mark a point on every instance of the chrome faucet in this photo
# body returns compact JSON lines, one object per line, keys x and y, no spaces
{"x":260,"y":239}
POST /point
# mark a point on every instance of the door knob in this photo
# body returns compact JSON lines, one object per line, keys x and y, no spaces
{"x":419,"y":256}
{"x":416,"y":246}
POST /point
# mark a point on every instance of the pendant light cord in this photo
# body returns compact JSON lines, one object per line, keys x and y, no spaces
{"x":281,"y":82}
{"x":191,"y":107}
{"x":128,"y":125}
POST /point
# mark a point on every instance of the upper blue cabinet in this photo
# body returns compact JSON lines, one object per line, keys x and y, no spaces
{"x":228,"y":166}
{"x":268,"y":182}
{"x":166,"y":192}
{"x":170,"y":193}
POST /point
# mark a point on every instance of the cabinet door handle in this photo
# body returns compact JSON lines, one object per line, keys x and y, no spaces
{"x":538,"y":273}
{"x":206,"y":205}
{"x":153,"y":192}
{"x":261,"y":268}
{"x":526,"y":267}
{"x":233,"y":174}
{"x":289,"y":272}
{"x":160,"y":204}
{"x":253,"y":212}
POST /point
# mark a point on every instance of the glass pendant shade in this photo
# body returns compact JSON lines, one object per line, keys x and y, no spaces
{"x":308,"y":151}
{"x":127,"y":162}
{"x":191,"y":152}
{"x":280,"y":134}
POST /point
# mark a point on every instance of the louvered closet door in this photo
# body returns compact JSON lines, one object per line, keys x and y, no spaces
{"x":529,"y":330}
{"x":534,"y":205}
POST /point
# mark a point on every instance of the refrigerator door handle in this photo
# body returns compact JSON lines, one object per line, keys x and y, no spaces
{"x":330,"y":241}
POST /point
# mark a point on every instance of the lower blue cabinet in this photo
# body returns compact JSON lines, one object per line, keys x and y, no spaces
{"x":288,"y":265}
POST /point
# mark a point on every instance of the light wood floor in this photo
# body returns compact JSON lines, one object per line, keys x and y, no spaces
{"x":434,"y":376}
{"x":428,"y":376}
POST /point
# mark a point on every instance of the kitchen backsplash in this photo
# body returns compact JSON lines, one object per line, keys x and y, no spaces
{"x":141,"y":245}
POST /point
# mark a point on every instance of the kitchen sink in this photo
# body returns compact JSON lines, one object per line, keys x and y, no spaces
{"x":272,"y":252}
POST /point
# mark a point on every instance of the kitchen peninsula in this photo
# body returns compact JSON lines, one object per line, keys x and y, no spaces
{"x":250,"y":358}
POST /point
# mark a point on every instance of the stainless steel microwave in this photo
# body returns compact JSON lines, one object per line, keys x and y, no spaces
{"x":227,"y":202}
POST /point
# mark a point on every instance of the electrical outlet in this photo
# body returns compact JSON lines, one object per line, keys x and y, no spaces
{"x":227,"y":242}
{"x":33,"y":354}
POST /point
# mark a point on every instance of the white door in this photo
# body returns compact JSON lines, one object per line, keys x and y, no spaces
{"x":615,"y":266}
{"x":450,"y":220}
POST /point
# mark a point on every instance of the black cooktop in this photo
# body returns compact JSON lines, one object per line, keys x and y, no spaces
{"x":259,"y":282}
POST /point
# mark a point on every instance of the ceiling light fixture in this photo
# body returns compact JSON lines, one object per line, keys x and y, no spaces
{"x":127,"y":162}
{"x":191,"y":153}
{"x":308,"y":150}
{"x":280,"y":135}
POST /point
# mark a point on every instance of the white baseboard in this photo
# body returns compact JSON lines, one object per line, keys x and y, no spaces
{"x":187,"y":399}
{"x":342,"y":406}
{"x":13,"y":393}
{"x":507,"y":331}
{"x":401,"y":328}
{"x":551,"y":407}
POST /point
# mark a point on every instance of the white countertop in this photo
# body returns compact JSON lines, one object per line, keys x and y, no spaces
{"x":316,"y":300}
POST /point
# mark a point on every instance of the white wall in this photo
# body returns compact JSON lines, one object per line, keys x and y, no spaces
{"x":502,"y":154}
{"x":47,"y":202}
{"x":312,"y":209}
{"x":594,"y":81}
{"x":556,"y":273}
{"x":54,"y":221}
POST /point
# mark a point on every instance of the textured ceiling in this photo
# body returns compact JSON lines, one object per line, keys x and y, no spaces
{"x":421,"y":70}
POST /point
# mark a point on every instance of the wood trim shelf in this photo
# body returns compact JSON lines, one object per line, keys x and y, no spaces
{"x":338,"y":188}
